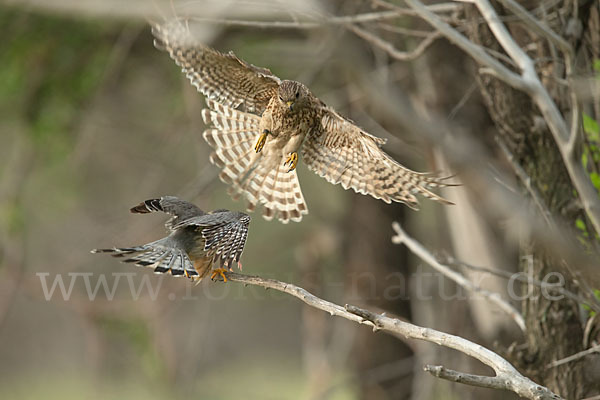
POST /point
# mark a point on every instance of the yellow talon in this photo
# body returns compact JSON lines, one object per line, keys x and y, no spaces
{"x":220,"y":272}
{"x":292,"y":160}
{"x":261,"y":141}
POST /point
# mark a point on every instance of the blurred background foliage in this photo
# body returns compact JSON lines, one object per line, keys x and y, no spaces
{"x":94,"y":120}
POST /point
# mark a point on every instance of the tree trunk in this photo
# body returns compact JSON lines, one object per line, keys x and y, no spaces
{"x":554,"y":328}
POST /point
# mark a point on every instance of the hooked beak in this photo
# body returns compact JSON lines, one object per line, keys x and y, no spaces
{"x":290,"y":105}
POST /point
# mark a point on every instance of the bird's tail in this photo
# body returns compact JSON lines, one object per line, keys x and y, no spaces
{"x":160,"y":256}
{"x":233,"y":136}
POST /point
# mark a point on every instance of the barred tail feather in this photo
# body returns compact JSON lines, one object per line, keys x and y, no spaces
{"x":161,"y":258}
{"x":278,"y":190}
{"x":233,"y":136}
{"x":147,"y":206}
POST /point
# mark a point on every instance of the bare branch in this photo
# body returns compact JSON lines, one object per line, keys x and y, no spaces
{"x":390,"y":48}
{"x":507,"y":377}
{"x":565,"y":139}
{"x":526,"y":181}
{"x":592,"y":302}
{"x":324,"y":20}
{"x":506,"y":374}
{"x":467,"y":379}
{"x":475,"y":51}
{"x":537,"y":26}
{"x":528,"y":82}
{"x":472,"y":161}
{"x":574,"y":357}
{"x":403,"y":31}
{"x":296,"y":291}
{"x":437,"y":8}
{"x":258,"y":24}
{"x":417,"y":248}
{"x":505,"y":39}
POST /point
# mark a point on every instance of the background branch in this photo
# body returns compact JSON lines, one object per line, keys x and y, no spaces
{"x":402,"y":237}
{"x":390,"y":48}
{"x":565,"y":139}
{"x":528,"y":82}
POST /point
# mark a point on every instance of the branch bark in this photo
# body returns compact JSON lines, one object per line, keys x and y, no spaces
{"x":507,"y":377}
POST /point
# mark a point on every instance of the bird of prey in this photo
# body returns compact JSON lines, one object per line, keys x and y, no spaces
{"x":197,"y":240}
{"x":260,"y":123}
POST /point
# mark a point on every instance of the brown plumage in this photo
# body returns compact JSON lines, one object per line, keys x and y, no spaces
{"x":248,"y":105}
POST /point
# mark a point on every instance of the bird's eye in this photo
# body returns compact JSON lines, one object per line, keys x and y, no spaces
{"x":297,"y":94}
{"x":280,"y":98}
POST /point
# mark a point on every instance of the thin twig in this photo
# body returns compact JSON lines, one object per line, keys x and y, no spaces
{"x":507,"y":377}
{"x":526,"y":181}
{"x":594,"y":305}
{"x":403,"y":31}
{"x":537,"y":26}
{"x":390,"y":48}
{"x":463,"y":100}
{"x":417,"y":248}
{"x":574,"y":357}
{"x":314,"y":22}
{"x":437,"y":8}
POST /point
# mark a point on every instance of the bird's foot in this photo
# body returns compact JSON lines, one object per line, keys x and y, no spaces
{"x":218,"y":272}
{"x":292,"y":160}
{"x":195,"y":278}
{"x":261,"y":141}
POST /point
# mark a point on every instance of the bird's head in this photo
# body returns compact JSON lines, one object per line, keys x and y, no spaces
{"x":293,"y":95}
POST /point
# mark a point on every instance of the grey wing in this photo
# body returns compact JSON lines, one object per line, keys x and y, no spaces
{"x":221,"y":77}
{"x":224,"y":234}
{"x":181,"y":210}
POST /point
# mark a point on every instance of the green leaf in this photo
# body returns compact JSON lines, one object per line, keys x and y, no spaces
{"x":595,"y":180}
{"x":595,"y":150}
{"x":590,"y":126}
{"x":580,"y":224}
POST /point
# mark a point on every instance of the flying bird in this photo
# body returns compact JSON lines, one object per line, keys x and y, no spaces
{"x":197,"y":240}
{"x":260,"y":124}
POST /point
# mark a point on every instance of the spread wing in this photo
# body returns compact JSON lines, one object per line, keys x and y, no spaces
{"x":220,"y":77}
{"x":180,"y":210}
{"x":342,"y":152}
{"x":224,"y":233}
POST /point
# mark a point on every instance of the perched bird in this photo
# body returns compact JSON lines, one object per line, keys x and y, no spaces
{"x":261,"y":122}
{"x":197,"y":240}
